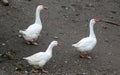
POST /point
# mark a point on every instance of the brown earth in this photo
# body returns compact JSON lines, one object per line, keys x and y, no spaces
{"x":68,"y":20}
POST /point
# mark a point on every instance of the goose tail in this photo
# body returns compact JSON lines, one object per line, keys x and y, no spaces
{"x":74,"y":45}
{"x":22,"y":32}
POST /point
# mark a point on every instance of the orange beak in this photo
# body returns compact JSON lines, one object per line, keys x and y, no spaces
{"x":58,"y":44}
{"x":44,"y":7}
{"x":96,"y":20}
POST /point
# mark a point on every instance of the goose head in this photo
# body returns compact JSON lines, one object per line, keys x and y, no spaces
{"x":93,"y":21}
{"x":41,"y":7}
{"x":55,"y":43}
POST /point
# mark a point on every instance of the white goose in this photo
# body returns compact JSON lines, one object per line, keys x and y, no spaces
{"x":33,"y":31}
{"x":87,"y":44}
{"x":39,"y":59}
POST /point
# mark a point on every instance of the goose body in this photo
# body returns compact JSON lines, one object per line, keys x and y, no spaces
{"x":32,"y":33}
{"x":86,"y":44}
{"x":41,"y":58}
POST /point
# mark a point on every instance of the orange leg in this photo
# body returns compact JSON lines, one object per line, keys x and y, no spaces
{"x":28,"y":42}
{"x":88,"y":55}
{"x":33,"y":70}
{"x":43,"y":71}
{"x":34,"y":43}
{"x":81,"y":55}
{"x":5,"y":2}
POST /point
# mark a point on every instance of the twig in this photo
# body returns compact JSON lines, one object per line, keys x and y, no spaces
{"x":110,"y":22}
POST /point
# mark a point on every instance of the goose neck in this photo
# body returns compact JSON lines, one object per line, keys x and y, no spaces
{"x":91,"y":34}
{"x":37,"y":17}
{"x":49,"y":49}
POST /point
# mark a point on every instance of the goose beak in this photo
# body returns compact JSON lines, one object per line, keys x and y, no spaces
{"x":44,"y":7}
{"x":96,"y":20}
{"x":58,"y":44}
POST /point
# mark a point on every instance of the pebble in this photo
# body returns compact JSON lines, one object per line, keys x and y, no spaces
{"x":64,"y":7}
{"x":55,"y":37}
{"x":1,"y":55}
{"x":77,"y":14}
{"x":114,"y":72}
{"x":114,"y":12}
{"x":3,"y":44}
{"x":66,"y":62}
{"x":26,"y":71}
{"x":106,"y":40}
{"x":19,"y":36}
{"x":89,"y":5}
{"x":75,"y":62}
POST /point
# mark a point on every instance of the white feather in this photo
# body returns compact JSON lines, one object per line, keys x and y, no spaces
{"x":87,"y":43}
{"x":33,"y":31}
{"x":41,"y":58}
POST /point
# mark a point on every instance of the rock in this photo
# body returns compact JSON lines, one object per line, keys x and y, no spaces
{"x":113,"y":12}
{"x":89,"y":5}
{"x":3,"y":44}
{"x":64,"y":7}
{"x":77,"y":14}
{"x":55,"y":37}
{"x":19,"y":36}
{"x":26,"y":72}
{"x":106,"y":40}
{"x":66,"y":62}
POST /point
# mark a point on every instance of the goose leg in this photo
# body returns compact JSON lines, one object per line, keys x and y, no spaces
{"x":43,"y":71}
{"x":88,"y":55}
{"x":33,"y":70}
{"x":5,"y":2}
{"x":81,"y":55}
{"x":34,"y":43}
{"x":28,"y":42}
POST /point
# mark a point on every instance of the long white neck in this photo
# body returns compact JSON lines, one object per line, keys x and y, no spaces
{"x":49,"y":49}
{"x":37,"y":16}
{"x":92,"y":34}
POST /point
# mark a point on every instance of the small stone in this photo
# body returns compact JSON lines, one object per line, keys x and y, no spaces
{"x":1,"y":55}
{"x":114,"y":12}
{"x":26,"y":71}
{"x":75,"y":62}
{"x":106,"y":40}
{"x":64,"y":7}
{"x":19,"y":36}
{"x":89,"y":5}
{"x":18,"y":69}
{"x":3,"y":44}
{"x":55,"y":37}
{"x":66,"y":62}
{"x":114,"y":72}
{"x":84,"y":73}
{"x":77,"y":14}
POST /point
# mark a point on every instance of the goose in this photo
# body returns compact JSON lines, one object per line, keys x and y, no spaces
{"x":86,"y":44}
{"x":39,"y":59}
{"x":33,"y":31}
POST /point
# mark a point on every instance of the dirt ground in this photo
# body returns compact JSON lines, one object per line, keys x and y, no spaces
{"x":68,"y":21}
